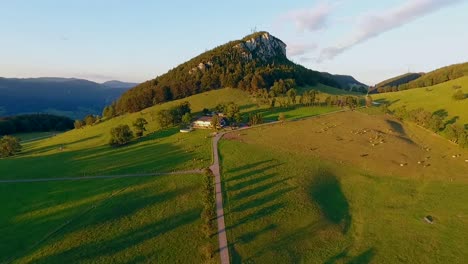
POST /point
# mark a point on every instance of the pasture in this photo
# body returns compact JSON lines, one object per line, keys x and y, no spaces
{"x":345,"y":188}
{"x":103,"y":220}
{"x":437,"y":98}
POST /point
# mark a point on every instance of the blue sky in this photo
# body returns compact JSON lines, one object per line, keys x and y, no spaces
{"x":138,"y":40}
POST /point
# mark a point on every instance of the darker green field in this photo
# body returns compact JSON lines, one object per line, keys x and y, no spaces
{"x":117,"y":220}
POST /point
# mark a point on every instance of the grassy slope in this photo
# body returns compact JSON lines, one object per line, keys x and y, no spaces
{"x":118,"y":220}
{"x":151,"y":218}
{"x":434,"y":98}
{"x":398,"y":80}
{"x":85,"y":151}
{"x":299,"y":195}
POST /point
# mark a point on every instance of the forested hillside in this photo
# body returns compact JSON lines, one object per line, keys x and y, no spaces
{"x":34,"y":123}
{"x":438,"y":76}
{"x":399,"y":80}
{"x":250,"y":64}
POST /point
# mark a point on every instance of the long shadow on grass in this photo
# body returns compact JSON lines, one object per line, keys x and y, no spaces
{"x":121,"y":207}
{"x":248,"y":166}
{"x":400,"y":129}
{"x":326,"y":192}
{"x":92,"y":251}
{"x":57,"y":146}
{"x":343,"y":257}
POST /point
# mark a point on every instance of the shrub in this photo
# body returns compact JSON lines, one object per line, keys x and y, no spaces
{"x":255,"y":119}
{"x":9,"y":146}
{"x":459,"y":95}
{"x":120,"y":135}
{"x":282,"y":117}
{"x":140,"y":126}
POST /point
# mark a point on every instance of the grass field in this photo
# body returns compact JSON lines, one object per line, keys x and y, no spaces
{"x":155,"y":219}
{"x":162,"y":151}
{"x":317,"y":191}
{"x":434,"y":98}
{"x":114,"y":220}
{"x":27,"y":137}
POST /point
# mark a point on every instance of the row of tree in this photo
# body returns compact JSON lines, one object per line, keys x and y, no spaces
{"x":438,"y":76}
{"x":208,"y":214}
{"x":176,"y":115}
{"x":34,"y":123}
{"x":89,"y":120}
{"x":436,"y":123}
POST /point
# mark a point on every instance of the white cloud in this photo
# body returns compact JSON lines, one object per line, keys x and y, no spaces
{"x":372,"y":25}
{"x":311,"y":19}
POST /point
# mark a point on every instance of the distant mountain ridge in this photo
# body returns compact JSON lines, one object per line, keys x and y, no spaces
{"x":346,"y":82}
{"x":66,"y":96}
{"x":119,"y":84}
{"x":252,"y":63}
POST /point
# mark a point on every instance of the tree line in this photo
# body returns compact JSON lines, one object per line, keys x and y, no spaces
{"x":435,"y":122}
{"x":436,"y":77}
{"x":34,"y":123}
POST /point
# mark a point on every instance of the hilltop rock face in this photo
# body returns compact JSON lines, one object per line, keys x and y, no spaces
{"x":263,"y":46}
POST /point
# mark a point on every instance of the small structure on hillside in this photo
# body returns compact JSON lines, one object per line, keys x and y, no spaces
{"x":202,"y":122}
{"x":205,"y":122}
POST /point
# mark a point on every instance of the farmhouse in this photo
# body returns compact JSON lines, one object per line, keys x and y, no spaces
{"x":202,"y":122}
{"x":205,"y":122}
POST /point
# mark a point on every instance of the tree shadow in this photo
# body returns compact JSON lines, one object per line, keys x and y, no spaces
{"x":259,"y":214}
{"x":249,"y":166}
{"x":398,"y":127}
{"x":56,"y":146}
{"x":452,"y":120}
{"x":386,"y":101}
{"x":125,"y":240}
{"x":441,"y":113}
{"x":343,"y":257}
{"x":327,"y":193}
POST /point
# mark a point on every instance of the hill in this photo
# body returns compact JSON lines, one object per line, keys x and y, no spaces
{"x":71,"y":97}
{"x":119,"y":84}
{"x":347,"y":82}
{"x":252,"y":63}
{"x":437,"y":98}
{"x":399,"y":80}
{"x":438,"y":76}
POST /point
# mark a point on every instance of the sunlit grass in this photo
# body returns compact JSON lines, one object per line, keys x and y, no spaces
{"x":295,"y":193}
{"x":434,"y":98}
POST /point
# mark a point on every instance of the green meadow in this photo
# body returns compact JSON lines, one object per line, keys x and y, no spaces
{"x":122,"y":219}
{"x":295,"y":194}
{"x":103,"y":220}
{"x":437,"y":98}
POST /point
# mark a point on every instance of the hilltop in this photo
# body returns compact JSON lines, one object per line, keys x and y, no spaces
{"x":71,"y":97}
{"x":418,"y":80}
{"x":347,"y":82}
{"x":252,"y":63}
{"x":399,"y":80}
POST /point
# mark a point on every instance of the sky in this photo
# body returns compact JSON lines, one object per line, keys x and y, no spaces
{"x":139,"y":40}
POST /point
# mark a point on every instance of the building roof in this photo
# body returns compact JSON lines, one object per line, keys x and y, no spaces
{"x":204,"y":119}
